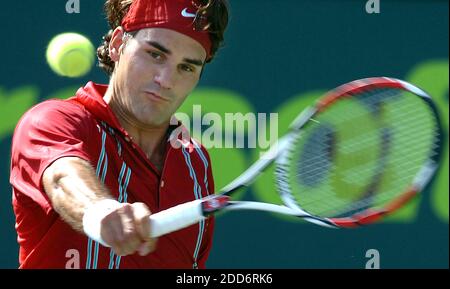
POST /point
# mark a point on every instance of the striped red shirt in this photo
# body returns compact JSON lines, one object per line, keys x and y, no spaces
{"x":84,"y":126}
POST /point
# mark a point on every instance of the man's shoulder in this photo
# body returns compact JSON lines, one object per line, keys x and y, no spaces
{"x":54,"y":112}
{"x":56,"y":108}
{"x":58,"y":105}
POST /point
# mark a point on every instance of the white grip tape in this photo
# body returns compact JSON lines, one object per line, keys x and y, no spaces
{"x":176,"y":218}
{"x":93,"y":216}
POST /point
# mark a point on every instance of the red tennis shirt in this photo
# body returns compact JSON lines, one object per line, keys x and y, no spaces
{"x":84,"y":126}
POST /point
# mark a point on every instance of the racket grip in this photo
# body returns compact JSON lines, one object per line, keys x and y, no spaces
{"x":176,"y":218}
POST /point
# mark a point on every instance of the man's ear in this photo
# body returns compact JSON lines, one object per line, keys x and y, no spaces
{"x":116,"y":44}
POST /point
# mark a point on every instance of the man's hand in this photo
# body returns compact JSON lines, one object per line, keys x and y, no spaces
{"x":124,"y":227}
{"x":127,"y":230}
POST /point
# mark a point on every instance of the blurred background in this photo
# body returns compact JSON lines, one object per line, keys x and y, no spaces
{"x":279,"y":56}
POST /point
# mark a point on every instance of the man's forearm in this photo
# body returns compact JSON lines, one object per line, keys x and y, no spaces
{"x":72,"y":186}
{"x":86,"y":204}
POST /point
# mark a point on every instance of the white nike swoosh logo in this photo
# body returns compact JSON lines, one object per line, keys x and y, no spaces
{"x":186,"y":14}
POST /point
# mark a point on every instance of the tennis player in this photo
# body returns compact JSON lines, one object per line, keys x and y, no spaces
{"x":107,"y":158}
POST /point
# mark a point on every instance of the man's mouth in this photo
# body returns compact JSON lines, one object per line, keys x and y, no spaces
{"x":155,"y":97}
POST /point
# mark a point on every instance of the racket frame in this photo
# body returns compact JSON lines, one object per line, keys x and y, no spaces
{"x":193,"y":212}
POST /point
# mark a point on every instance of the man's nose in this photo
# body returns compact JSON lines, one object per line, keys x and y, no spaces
{"x":165,"y":78}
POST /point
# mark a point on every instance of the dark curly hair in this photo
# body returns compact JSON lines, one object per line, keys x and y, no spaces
{"x":212,"y":16}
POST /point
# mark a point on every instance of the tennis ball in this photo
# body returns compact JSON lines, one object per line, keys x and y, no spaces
{"x":70,"y":54}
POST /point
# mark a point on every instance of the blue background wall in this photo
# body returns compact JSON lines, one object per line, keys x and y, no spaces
{"x":278,"y":52}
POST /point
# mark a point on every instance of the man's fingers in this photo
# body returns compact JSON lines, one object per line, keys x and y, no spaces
{"x":127,"y":230}
{"x":109,"y":233}
{"x":147,"y":247}
{"x":112,"y":228}
{"x":141,"y":218}
{"x":132,"y":239}
{"x":118,"y":230}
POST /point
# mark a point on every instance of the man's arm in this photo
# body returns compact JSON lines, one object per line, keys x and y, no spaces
{"x":73,"y":189}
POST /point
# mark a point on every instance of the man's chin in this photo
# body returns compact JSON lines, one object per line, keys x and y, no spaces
{"x":155,"y":122}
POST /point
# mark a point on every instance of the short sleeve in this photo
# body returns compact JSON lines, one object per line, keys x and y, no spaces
{"x":47,"y":132}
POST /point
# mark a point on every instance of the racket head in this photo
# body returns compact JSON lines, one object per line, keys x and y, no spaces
{"x":363,"y":151}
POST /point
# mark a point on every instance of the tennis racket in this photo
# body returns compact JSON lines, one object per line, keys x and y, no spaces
{"x":359,"y":153}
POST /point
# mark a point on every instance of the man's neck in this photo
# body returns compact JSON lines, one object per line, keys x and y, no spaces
{"x":151,"y":139}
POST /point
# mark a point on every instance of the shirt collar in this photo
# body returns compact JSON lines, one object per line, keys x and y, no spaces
{"x":91,"y":97}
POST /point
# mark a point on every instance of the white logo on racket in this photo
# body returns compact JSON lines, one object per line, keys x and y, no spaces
{"x":186,"y":14}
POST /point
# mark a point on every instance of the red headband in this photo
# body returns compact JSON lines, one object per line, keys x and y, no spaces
{"x":177,"y":15}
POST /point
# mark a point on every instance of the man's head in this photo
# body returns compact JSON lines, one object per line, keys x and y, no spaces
{"x":211,"y":16}
{"x":156,"y":51}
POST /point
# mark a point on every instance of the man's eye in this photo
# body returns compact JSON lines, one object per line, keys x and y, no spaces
{"x":155,"y":55}
{"x":187,"y":68}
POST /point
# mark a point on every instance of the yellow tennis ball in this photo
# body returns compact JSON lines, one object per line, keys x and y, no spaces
{"x":70,"y":54}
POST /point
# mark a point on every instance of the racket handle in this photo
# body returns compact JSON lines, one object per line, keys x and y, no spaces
{"x":176,"y":218}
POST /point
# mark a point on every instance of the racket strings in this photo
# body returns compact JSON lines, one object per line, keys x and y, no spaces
{"x":315,"y":163}
{"x":362,"y":153}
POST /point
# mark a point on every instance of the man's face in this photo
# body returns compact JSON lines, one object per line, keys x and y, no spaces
{"x":155,"y":71}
